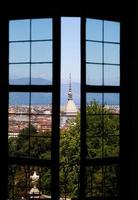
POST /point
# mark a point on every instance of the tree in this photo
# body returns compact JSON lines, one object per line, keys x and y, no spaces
{"x":70,"y":158}
{"x":102,"y":140}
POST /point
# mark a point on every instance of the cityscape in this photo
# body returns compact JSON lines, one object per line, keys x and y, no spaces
{"x":41,"y":115}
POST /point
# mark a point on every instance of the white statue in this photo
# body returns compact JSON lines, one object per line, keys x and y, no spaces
{"x":34,"y":178}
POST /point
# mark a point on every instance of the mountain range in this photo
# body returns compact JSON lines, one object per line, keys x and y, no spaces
{"x":19,"y":98}
{"x":23,"y":98}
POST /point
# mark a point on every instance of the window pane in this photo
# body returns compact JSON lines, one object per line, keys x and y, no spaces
{"x":112,"y":53}
{"x":41,"y":52}
{"x":19,"y":74}
{"x":94,"y":124}
{"x":94,"y":99}
{"x":114,"y":120}
{"x":19,"y":30}
{"x":41,"y":29}
{"x":111,"y":99}
{"x":94,"y":146}
{"x":94,"y":180}
{"x":41,"y":100}
{"x":40,"y":145}
{"x":41,"y":74}
{"x":111,"y":31}
{"x":94,"y":52}
{"x":112,"y":75}
{"x":110,"y":145}
{"x":19,"y":52}
{"x":19,"y":100}
{"x":94,"y":29}
{"x":94,"y":74}
{"x":102,"y":181}
{"x":17,"y":123}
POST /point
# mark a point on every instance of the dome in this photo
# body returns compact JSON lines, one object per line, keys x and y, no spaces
{"x":70,"y":108}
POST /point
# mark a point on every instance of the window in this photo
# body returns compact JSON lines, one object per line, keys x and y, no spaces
{"x":32,"y":133}
{"x":100,"y":103}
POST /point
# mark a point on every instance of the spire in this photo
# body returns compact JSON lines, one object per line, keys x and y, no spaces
{"x":70,"y":92}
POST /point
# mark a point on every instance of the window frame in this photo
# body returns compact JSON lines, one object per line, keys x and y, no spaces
{"x":85,"y":162}
{"x":54,"y":89}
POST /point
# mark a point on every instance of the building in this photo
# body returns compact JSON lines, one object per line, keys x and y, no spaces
{"x":70,"y":109}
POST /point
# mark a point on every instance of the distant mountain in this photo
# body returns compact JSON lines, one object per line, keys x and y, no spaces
{"x":46,"y":98}
{"x":25,"y":81}
{"x":22,"y":98}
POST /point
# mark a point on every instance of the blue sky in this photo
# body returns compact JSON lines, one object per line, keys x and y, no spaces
{"x":97,"y":52}
{"x":41,"y":51}
{"x":70,"y":49}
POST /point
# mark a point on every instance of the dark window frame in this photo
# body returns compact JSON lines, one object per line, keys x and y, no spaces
{"x":87,"y":162}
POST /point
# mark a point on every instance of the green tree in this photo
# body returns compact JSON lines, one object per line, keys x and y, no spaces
{"x":102,"y":140}
{"x":70,"y":158}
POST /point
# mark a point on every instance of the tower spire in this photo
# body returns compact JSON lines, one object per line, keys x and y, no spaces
{"x":70,"y":90}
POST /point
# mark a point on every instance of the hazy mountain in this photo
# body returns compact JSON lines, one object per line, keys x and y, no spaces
{"x":42,"y":98}
{"x":25,"y":81}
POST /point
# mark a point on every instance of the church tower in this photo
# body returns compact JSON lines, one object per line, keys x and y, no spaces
{"x":70,"y":107}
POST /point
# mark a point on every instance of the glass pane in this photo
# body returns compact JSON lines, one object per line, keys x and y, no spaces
{"x":94,"y":180}
{"x":29,"y":182}
{"x":94,"y":52}
{"x":19,"y":52}
{"x":94,"y":125}
{"x":112,"y":53}
{"x":111,"y":100}
{"x":94,"y":74}
{"x":111,"y":181}
{"x":111,"y":124}
{"x":111,"y":31}
{"x":41,"y":29}
{"x":19,"y":74}
{"x":41,"y":74}
{"x":112,"y":75}
{"x":110,"y":145}
{"x":41,"y":100}
{"x":94,"y":102}
{"x":19,"y":30}
{"x":17,"y":122}
{"x":19,"y":102}
{"x":102,"y":181}
{"x":94,"y":145}
{"x":94,"y":29}
{"x":42,"y":123}
{"x":19,"y":143}
{"x":41,"y":52}
{"x":40,"y":145}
